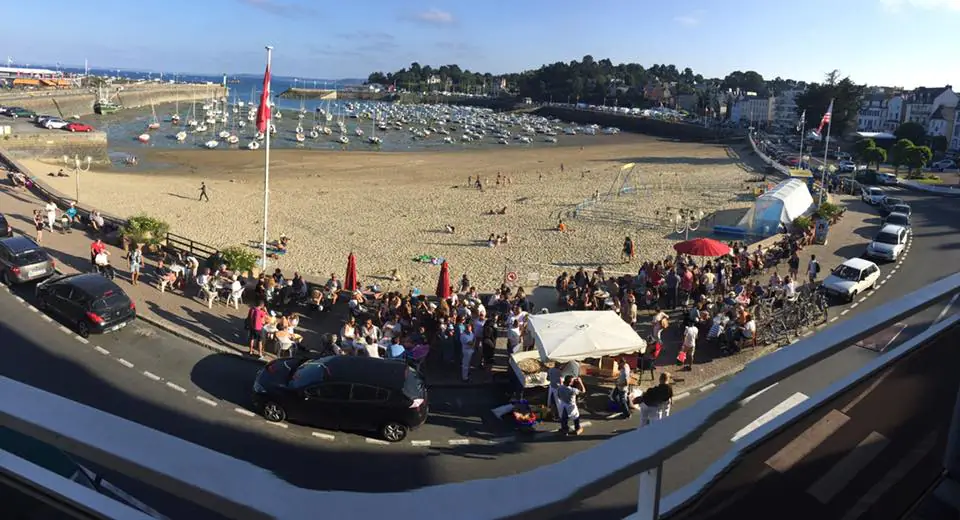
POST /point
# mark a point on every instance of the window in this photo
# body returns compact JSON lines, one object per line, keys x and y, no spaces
{"x":330,"y":392}
{"x":368,"y":393}
{"x":63,"y":291}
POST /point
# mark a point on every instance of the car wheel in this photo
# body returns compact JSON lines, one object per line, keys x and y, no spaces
{"x":876,"y":283}
{"x":6,"y":278}
{"x":394,"y":431}
{"x":73,"y":129}
{"x":83,"y":330}
{"x":41,"y":303}
{"x":273,"y":412}
{"x":853,"y":296}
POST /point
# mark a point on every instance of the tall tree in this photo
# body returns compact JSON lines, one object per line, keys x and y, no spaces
{"x":900,"y":153}
{"x":846,"y":97}
{"x":913,"y":132}
{"x":875,"y":155}
{"x":917,"y":157}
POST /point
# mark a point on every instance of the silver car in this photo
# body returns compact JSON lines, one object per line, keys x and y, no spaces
{"x":23,"y":260}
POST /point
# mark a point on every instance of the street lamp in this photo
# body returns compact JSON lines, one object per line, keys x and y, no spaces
{"x":78,"y":167}
{"x":685,"y":220}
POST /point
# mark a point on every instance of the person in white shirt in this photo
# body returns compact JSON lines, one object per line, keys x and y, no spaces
{"x":467,"y":348}
{"x":748,"y":331}
{"x":514,"y":334}
{"x":813,"y":268}
{"x":789,"y":289}
{"x":659,"y":322}
{"x":102,"y":261}
{"x":349,"y":334}
{"x":621,"y":392}
{"x":51,"y":210}
{"x":690,"y":334}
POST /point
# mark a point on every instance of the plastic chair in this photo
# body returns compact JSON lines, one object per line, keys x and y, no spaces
{"x":285,"y":347}
{"x":235,"y":298}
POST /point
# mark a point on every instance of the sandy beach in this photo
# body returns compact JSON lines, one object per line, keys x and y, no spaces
{"x":391,"y":207}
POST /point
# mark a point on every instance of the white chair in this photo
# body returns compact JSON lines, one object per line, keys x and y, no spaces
{"x":208,"y":296}
{"x":284,"y":347}
{"x":235,"y":298}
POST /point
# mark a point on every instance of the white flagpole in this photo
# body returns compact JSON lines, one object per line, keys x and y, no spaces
{"x":826,"y":151}
{"x":803,"y":124}
{"x":266,"y":167}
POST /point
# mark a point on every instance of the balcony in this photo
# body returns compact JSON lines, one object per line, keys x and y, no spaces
{"x":237,"y":489}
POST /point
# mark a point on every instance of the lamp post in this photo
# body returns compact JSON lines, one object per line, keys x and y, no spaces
{"x":78,"y":167}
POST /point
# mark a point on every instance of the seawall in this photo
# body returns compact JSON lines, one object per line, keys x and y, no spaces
{"x":76,"y":102}
{"x":54,"y":144}
{"x":641,"y":125}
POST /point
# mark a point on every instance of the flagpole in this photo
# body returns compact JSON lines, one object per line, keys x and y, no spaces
{"x":826,"y":152}
{"x":266,"y":166}
{"x":803,"y":125}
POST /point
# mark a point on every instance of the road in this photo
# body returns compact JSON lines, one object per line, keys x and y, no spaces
{"x":155,"y":379}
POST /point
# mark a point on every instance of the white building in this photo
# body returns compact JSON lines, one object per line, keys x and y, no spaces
{"x":785,"y":108}
{"x":873,"y":113}
{"x":955,"y":141}
{"x":923,"y":101}
{"x":939,"y":124}
{"x":894,"y":113}
{"x":753,"y":109}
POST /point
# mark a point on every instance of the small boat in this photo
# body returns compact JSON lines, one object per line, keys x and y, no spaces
{"x":314,"y":134}
{"x":144,"y":138}
{"x":201,"y":127}
{"x":344,"y":140}
{"x":358,"y":132}
{"x":241,"y":123}
{"x":300,"y":137}
{"x":374,"y":140}
{"x":232,"y":139}
{"x":448,"y":140}
{"x":253,"y":145}
{"x":550,"y":140}
{"x":278,"y":116}
{"x":211,"y":144}
{"x":224,"y":134}
{"x":181,"y":136}
{"x":175,"y":119}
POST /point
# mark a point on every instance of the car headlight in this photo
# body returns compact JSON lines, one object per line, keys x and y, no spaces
{"x":258,"y":388}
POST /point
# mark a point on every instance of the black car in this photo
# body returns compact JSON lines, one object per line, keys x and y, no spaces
{"x":5,"y":229}
{"x":343,"y":392}
{"x":23,"y":260}
{"x":89,"y":302}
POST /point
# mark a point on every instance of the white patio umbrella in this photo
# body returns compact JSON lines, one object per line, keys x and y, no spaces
{"x":577,"y":335}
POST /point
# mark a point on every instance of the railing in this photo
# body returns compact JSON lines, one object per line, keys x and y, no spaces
{"x":200,"y":250}
{"x":783,"y":170}
{"x":238,"y":489}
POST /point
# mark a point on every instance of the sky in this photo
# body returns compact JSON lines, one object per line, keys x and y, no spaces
{"x":904,"y":43}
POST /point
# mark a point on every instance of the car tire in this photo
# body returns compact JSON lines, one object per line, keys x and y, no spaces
{"x":853,"y":296}
{"x":83,"y":330}
{"x":6,"y":279}
{"x":876,"y":284}
{"x":73,"y":130}
{"x":394,"y":431}
{"x":41,"y":303}
{"x":273,"y":412}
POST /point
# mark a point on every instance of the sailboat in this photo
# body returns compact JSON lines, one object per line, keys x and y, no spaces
{"x":300,"y":137}
{"x":373,"y":139}
{"x":214,"y":142}
{"x":154,"y":122}
{"x":181,"y":136}
{"x":175,"y":117}
{"x":303,"y":109}
{"x":192,"y":120}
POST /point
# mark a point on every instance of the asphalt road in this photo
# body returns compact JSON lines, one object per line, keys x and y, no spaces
{"x":155,"y":379}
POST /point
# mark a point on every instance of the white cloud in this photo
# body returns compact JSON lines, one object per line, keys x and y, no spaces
{"x":435,"y":16}
{"x":690,"y":19}
{"x":931,"y":5}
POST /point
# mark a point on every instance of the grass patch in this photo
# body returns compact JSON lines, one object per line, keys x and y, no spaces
{"x":931,"y":182}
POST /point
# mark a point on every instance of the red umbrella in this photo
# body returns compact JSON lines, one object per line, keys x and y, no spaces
{"x":702,"y":247}
{"x":443,"y":284}
{"x":350,"y":282}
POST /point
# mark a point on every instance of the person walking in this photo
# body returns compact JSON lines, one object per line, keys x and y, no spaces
{"x":467,"y":348}
{"x":136,"y":261}
{"x":794,"y":264}
{"x":621,"y":390}
{"x":51,"y":211}
{"x":567,"y":401}
{"x":628,"y":251}
{"x":254,"y":325}
{"x":203,"y":192}
{"x":38,"y":223}
{"x":689,"y":346}
{"x":813,"y":268}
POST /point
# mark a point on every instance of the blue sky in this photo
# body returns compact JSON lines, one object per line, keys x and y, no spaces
{"x":890,"y":42}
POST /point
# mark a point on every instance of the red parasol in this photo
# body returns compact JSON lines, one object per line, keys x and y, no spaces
{"x":702,"y":247}
{"x":350,"y":281}
{"x":443,"y":284}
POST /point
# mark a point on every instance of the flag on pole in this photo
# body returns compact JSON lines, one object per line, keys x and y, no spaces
{"x":825,"y":120}
{"x":803,"y":121}
{"x":263,"y":111}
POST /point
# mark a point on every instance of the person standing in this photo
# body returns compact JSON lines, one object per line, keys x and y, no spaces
{"x":255,"y":320}
{"x":203,"y":192}
{"x":567,"y":401}
{"x":467,"y":348}
{"x":813,"y":268}
{"x":689,"y":346}
{"x":656,"y":401}
{"x":51,"y":211}
{"x":489,"y":342}
{"x":794,"y":264}
{"x":96,"y":248}
{"x":621,"y":392}
{"x":136,"y":261}
{"x":628,"y":250}
{"x":38,"y":223}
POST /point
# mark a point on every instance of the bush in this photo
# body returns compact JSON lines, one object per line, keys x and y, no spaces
{"x":239,"y":259}
{"x":802,"y":223}
{"x":828,"y":211}
{"x":142,"y":229}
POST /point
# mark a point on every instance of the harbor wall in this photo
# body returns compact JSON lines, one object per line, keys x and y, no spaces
{"x":55,"y":144}
{"x":640,"y":125}
{"x":69,"y":103}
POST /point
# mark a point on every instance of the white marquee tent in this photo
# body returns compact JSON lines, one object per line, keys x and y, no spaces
{"x":577,"y":335}
{"x":785,"y":202}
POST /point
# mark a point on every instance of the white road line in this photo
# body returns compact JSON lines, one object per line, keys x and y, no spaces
{"x":887,"y":278}
{"x":462,"y":442}
{"x":204,"y":400}
{"x":881,"y":283}
{"x":844,"y":312}
{"x":177,"y":387}
{"x":46,"y":318}
{"x":151,"y":375}
{"x":19,"y":299}
{"x":770,"y":415}
{"x":946,"y":309}
{"x":65,"y":330}
{"x":420,"y":443}
{"x":102,"y":350}
{"x":861,"y":300}
{"x":376,"y":441}
{"x":708,"y":387}
{"x":749,"y":398}
{"x":326,"y":436}
{"x":85,"y":341}
{"x":278,"y":424}
{"x":32,"y":308}
{"x":894,"y":270}
{"x":833,"y":319}
{"x":502,"y":440}
{"x":854,"y":306}
{"x":681,"y":396}
{"x":242,"y":411}
{"x":125,"y":363}
{"x":586,"y":424}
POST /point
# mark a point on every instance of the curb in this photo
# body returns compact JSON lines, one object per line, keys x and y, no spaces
{"x":928,"y":192}
{"x":191,"y":337}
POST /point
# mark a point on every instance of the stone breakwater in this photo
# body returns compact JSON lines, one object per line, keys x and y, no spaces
{"x":54,"y":144}
{"x":76,"y":102}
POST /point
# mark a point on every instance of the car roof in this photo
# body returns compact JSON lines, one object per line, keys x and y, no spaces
{"x":857,"y":263}
{"x":874,"y":188}
{"x":366,"y":370}
{"x":891,"y":228}
{"x":898,"y":214}
{"x":20,"y":243}
{"x":90,"y":283}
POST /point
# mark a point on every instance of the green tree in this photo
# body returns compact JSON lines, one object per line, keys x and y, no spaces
{"x":860,"y":149}
{"x":875,"y":155}
{"x":900,"y":153}
{"x":846,"y":96}
{"x":917,"y":158}
{"x":914,"y":132}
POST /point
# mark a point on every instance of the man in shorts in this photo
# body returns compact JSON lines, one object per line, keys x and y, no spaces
{"x":255,"y":320}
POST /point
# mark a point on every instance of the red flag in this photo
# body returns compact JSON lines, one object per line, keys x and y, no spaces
{"x":825,"y":120}
{"x":263,"y":111}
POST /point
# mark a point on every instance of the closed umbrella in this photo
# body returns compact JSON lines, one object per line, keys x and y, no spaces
{"x":702,"y":247}
{"x":443,"y":284}
{"x":350,"y":281}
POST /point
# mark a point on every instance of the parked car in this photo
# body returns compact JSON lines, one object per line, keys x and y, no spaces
{"x":54,"y":123}
{"x":844,"y":156}
{"x":887,"y":179}
{"x":343,"y":392}
{"x":42,"y":118}
{"x":89,"y":302}
{"x":897,"y":219}
{"x":4,"y":110}
{"x":872,"y":195}
{"x":889,"y":242}
{"x":900,"y":208}
{"x":18,"y":112}
{"x":846,"y":166}
{"x":78,"y":127}
{"x":851,"y":278}
{"x":23,"y":260}
{"x":945,"y":164}
{"x":5,"y":229}
{"x":889,"y":202}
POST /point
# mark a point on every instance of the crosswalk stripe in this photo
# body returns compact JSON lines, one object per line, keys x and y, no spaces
{"x":840,"y":475}
{"x":771,"y":414}
{"x":807,"y":441}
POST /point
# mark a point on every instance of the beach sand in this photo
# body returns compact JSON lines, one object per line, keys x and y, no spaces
{"x":391,"y":207}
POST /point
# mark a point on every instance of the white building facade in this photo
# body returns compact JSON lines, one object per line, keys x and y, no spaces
{"x":873,"y":113}
{"x":921,"y":103}
{"x":752,"y":109}
{"x":894,"y":115}
{"x":785,"y":108}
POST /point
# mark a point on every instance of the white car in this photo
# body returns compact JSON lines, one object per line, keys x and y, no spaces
{"x":55,"y":124}
{"x":945,"y":164}
{"x":889,"y":242}
{"x":846,"y":166}
{"x":873,"y":196}
{"x":887,"y":179}
{"x":851,"y":278}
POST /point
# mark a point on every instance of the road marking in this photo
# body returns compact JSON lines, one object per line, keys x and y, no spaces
{"x":681,"y":396}
{"x":464,"y":442}
{"x":151,"y":375}
{"x":102,"y":350}
{"x":866,"y":391}
{"x":806,"y":442}
{"x":46,"y":318}
{"x":85,"y":341}
{"x":707,"y":387}
{"x":278,"y":424}
{"x":833,"y":319}
{"x":65,"y":330}
{"x":326,"y":436}
{"x":32,"y":308}
{"x":378,"y":442}
{"x":861,"y":300}
{"x":19,"y":299}
{"x":844,"y":312}
{"x":887,"y":278}
{"x":840,"y":475}
{"x":204,"y":400}
{"x":894,"y":270}
{"x":501,"y":440}
{"x":881,"y":283}
{"x":770,"y":415}
{"x":892,"y":478}
{"x":749,"y":398}
{"x":854,"y":306}
{"x":125,"y":363}
{"x":420,"y":443}
{"x":946,"y":309}
{"x":177,"y":387}
{"x":243,"y":411}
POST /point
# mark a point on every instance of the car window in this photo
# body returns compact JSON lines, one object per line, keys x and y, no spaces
{"x":110,"y":301}
{"x":887,"y":238}
{"x":63,"y":291}
{"x":846,"y":272}
{"x":34,"y":256}
{"x":330,"y":391}
{"x":368,"y":393}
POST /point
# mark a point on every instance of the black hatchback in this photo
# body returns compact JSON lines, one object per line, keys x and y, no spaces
{"x":89,"y":302}
{"x":343,"y":393}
